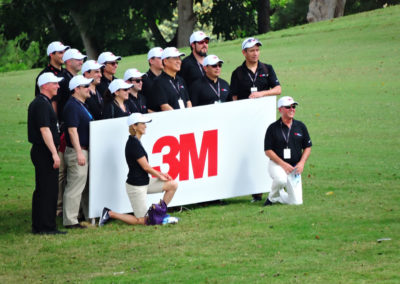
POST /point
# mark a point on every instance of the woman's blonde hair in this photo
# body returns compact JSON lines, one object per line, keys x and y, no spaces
{"x":132,"y":131}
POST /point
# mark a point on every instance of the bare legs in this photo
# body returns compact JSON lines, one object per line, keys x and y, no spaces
{"x":127,"y":218}
{"x":169,"y":189}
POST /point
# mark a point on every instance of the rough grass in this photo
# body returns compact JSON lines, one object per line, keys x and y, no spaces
{"x":344,"y":73}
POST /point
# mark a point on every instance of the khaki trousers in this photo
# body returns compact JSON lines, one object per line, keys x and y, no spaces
{"x":77,"y":180}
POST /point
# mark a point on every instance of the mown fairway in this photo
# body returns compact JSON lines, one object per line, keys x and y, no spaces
{"x":345,"y":75}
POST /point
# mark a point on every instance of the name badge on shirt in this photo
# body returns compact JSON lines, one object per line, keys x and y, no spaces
{"x":181,"y":104}
{"x":286,"y":154}
{"x":253,"y":89}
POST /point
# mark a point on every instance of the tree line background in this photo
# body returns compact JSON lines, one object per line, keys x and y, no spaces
{"x":128,"y":27}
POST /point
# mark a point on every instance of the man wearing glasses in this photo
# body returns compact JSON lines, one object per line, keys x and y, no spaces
{"x":136,"y":101}
{"x":210,"y":89}
{"x":192,"y":66}
{"x":77,"y":119}
{"x":288,"y":145}
{"x":253,"y":79}
{"x":110,"y":62}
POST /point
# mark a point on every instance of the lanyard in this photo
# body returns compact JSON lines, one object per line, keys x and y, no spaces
{"x":200,"y":67}
{"x":215,"y":91}
{"x":284,"y":136}
{"x":87,"y":112}
{"x":251,"y":78}
{"x":176,"y":89}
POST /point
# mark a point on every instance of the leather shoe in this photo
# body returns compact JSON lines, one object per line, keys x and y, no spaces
{"x":75,"y":226}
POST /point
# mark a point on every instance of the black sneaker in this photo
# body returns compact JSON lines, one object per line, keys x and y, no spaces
{"x":75,"y":226}
{"x":268,"y":203}
{"x":105,"y":217}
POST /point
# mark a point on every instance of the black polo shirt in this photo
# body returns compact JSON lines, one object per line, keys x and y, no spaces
{"x":102,"y":87}
{"x":48,"y":68}
{"x":276,"y":140}
{"x":112,"y":110}
{"x":243,"y":79}
{"x":95,"y":105}
{"x":148,"y":81}
{"x":41,"y":114}
{"x":204,"y":91}
{"x":77,"y":115}
{"x":63,"y":93}
{"x":167,"y":90}
{"x":134,"y":151}
{"x":191,"y":70}
{"x":137,"y":104}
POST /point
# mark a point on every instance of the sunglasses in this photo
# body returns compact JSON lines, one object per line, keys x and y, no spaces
{"x":135,"y":80}
{"x":112,"y":63}
{"x":126,"y":90}
{"x":217,"y":65}
{"x":289,"y":107}
{"x":203,"y":41}
{"x":85,"y":86}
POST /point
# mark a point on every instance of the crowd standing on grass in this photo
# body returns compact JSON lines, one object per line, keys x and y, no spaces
{"x":65,"y":103}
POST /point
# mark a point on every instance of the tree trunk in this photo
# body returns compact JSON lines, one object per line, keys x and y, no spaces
{"x":263,"y":20}
{"x":320,"y":10}
{"x":186,"y":21}
{"x":89,"y":43}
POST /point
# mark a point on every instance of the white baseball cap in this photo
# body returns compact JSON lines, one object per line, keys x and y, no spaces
{"x":73,"y":53}
{"x":56,"y":46}
{"x":286,"y":101}
{"x":107,"y":57}
{"x":171,"y":52}
{"x":90,"y":65}
{"x":211,"y":60}
{"x":198,"y":36}
{"x":79,"y":80}
{"x":154,"y":52}
{"x":250,"y":42}
{"x":137,"y":117}
{"x":48,"y":77}
{"x":132,"y":73}
{"x":118,"y":84}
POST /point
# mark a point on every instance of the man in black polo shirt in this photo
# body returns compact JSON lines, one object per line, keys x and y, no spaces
{"x":136,"y":101}
{"x":91,"y":70}
{"x":192,"y":66}
{"x":253,"y":79}
{"x":77,"y":119}
{"x":288,"y":146}
{"x":155,"y":70}
{"x":169,"y":90}
{"x":43,"y":134}
{"x":209,"y":89}
{"x":110,"y":62}
{"x":55,"y":52}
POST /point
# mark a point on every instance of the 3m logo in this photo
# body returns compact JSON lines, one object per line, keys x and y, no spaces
{"x":187,"y":149}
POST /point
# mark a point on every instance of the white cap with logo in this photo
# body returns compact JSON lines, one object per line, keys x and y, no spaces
{"x":48,"y":77}
{"x":137,"y":117}
{"x":250,"y":42}
{"x":90,"y":65}
{"x":56,"y":46}
{"x":132,"y":73}
{"x":79,"y":80}
{"x":211,"y":60}
{"x":107,"y":57}
{"x":198,"y":36}
{"x":118,"y":84}
{"x":154,"y":52}
{"x":73,"y":53}
{"x":286,"y":101}
{"x":171,"y":52}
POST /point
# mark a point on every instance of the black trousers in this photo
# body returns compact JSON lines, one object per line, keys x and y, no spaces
{"x":44,"y":200}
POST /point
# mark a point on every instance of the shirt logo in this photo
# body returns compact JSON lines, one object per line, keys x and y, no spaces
{"x":224,"y":90}
{"x":262,"y":75}
{"x":298,"y":134}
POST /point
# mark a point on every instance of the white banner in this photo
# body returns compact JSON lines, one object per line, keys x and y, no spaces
{"x":214,"y":152}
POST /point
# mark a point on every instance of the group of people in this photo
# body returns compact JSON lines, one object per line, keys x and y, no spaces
{"x":65,"y":103}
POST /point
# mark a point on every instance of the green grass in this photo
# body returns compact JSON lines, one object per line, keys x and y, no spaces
{"x":345,"y":74}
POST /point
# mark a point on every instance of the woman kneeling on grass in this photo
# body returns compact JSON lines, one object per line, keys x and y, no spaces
{"x":138,"y":184}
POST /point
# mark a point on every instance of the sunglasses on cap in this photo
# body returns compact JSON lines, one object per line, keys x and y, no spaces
{"x":289,"y":107}
{"x":203,"y":41}
{"x":112,"y":63}
{"x":135,"y":80}
{"x":216,"y":65}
